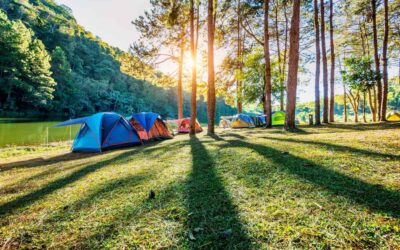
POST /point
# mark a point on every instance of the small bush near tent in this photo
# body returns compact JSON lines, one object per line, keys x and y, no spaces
{"x":393,"y":117}
{"x":242,"y":121}
{"x":184,"y":126}
{"x":102,"y":131}
{"x":278,"y":118}
{"x":149,"y":126}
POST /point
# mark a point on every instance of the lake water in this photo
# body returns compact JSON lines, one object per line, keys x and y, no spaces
{"x":33,"y":132}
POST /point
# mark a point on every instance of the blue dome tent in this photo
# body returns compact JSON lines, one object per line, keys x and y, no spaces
{"x":259,"y":120}
{"x":149,"y":126}
{"x":242,"y":121}
{"x":102,"y":131}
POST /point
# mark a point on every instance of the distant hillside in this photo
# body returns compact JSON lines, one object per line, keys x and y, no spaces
{"x":83,"y":73}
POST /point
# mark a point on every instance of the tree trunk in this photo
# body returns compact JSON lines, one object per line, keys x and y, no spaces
{"x":211,"y":74}
{"x":357,"y":106}
{"x":375,"y":101}
{"x":356,"y":116}
{"x":290,"y":123}
{"x":344,"y":104}
{"x":363,"y":46}
{"x":324,"y":64}
{"x":332,"y":78}
{"x":239,"y":90}
{"x":364,"y":106}
{"x":194,"y":72}
{"x":376,"y":56}
{"x":180,"y":75}
{"x":268,"y":86}
{"x":354,"y":102}
{"x":286,"y":44}
{"x":317,"y":65}
{"x":366,"y":40}
{"x":278,"y":46}
{"x":371,"y":105}
{"x":385,"y":62}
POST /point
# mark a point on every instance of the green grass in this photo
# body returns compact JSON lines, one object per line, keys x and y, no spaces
{"x":324,"y":187}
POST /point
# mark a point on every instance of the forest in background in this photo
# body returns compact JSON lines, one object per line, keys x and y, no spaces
{"x":51,"y":66}
{"x":348,"y":43}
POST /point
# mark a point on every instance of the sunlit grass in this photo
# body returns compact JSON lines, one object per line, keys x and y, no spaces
{"x":335,"y":186}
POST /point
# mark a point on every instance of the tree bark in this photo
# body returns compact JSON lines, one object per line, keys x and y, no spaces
{"x":278,"y":46}
{"x":332,"y":78}
{"x":268,"y":86}
{"x":194,"y":72}
{"x":239,"y":66}
{"x":344,"y":103}
{"x":385,"y":62}
{"x":211,"y":74}
{"x":324,"y":65}
{"x":317,"y":65}
{"x":290,"y":123}
{"x":376,"y":56}
{"x":354,"y":102}
{"x":371,"y":105}
{"x":180,"y":75}
{"x":364,"y":106}
{"x":286,"y":43}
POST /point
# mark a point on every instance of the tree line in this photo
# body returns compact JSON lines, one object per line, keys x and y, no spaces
{"x":269,"y":42}
{"x":51,"y":66}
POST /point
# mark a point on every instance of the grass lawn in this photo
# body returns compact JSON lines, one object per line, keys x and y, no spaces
{"x":330,"y":187}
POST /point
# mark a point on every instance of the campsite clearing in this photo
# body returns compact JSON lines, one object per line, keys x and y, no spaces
{"x":337,"y":186}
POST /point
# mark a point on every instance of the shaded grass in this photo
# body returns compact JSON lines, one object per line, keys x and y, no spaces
{"x":326,"y":187}
{"x":213,"y":221}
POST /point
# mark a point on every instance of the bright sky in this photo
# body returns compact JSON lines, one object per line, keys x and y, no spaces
{"x":111,"y":20}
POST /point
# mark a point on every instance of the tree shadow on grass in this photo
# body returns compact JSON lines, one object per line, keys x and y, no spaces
{"x":27,"y":199}
{"x":103,"y":192}
{"x":40,"y":161}
{"x":213,"y":218}
{"x":331,"y":128}
{"x":30,"y":198}
{"x":24,"y":183}
{"x":241,"y":137}
{"x":337,"y":147}
{"x":64,"y":158}
{"x":364,"y":127}
{"x":373,"y":197}
{"x":127,"y":215}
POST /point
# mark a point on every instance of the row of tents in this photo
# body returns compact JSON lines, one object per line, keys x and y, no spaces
{"x":251,"y":121}
{"x":278,"y":119}
{"x":108,"y":130}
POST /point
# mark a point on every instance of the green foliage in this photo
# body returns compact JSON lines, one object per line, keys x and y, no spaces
{"x":394,"y":97}
{"x":358,"y":73}
{"x":24,"y":67}
{"x":91,"y":76}
{"x":253,"y":74}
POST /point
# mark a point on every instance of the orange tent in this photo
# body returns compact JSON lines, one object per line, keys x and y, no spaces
{"x":184,"y":126}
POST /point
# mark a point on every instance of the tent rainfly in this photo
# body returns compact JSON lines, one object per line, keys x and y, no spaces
{"x":102,"y":131}
{"x":242,"y":121}
{"x":149,"y":126}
